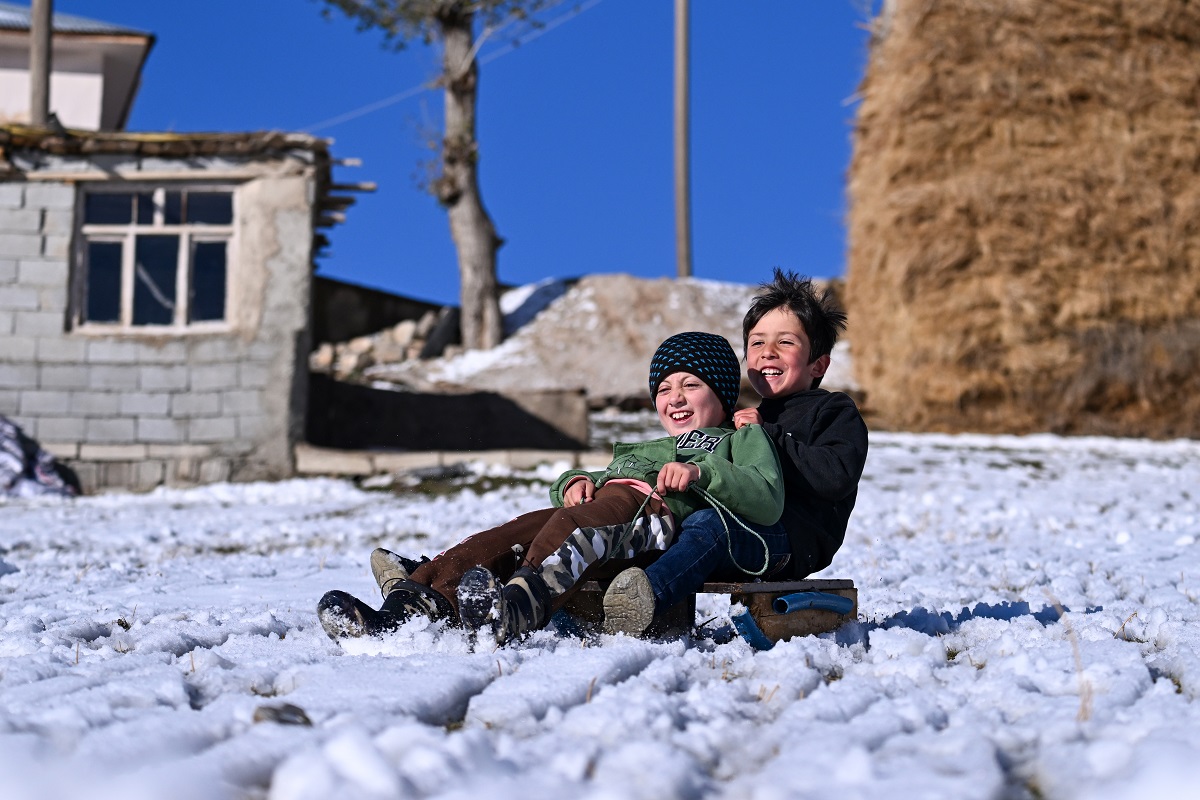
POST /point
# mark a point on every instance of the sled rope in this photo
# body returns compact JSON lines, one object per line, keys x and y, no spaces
{"x":627,"y":531}
{"x":721,"y":512}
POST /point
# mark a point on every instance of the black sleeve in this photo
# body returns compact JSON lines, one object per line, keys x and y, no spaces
{"x":823,"y":453}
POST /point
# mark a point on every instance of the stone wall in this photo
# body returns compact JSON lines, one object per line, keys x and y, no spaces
{"x":137,"y":409}
{"x":343,"y":311}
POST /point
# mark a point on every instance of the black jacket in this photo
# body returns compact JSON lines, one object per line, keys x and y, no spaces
{"x":822,"y":444}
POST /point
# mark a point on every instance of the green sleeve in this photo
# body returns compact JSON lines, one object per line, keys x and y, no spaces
{"x":750,"y":481}
{"x":556,"y":491}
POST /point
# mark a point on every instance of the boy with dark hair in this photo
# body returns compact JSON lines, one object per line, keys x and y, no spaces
{"x":788,"y":334}
{"x":629,"y":509}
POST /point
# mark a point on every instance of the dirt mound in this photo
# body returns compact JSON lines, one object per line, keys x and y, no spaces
{"x":1025,"y":217}
{"x":599,"y":337}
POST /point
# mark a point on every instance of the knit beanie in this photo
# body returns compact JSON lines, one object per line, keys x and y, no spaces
{"x":705,"y":355}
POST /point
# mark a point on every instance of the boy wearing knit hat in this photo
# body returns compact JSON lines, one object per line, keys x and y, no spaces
{"x":787,"y":334}
{"x":631,"y":508}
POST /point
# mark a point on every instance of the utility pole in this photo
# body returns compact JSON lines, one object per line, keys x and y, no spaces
{"x":41,"y":16}
{"x":683,"y":199}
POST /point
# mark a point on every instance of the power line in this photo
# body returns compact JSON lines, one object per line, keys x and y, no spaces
{"x":367,"y":109}
{"x":538,"y":32}
{"x":370,"y":108}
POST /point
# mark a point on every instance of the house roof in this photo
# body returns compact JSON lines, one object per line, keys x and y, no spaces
{"x":14,"y":17}
{"x":166,"y":144}
{"x":14,"y":138}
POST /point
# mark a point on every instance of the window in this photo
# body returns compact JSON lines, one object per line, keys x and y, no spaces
{"x":155,"y":257}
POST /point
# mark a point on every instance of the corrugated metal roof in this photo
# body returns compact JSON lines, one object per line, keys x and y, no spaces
{"x":16,"y":18}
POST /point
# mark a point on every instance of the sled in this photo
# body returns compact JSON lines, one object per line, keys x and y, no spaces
{"x":775,"y":610}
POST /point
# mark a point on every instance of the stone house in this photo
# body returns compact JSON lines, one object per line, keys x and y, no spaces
{"x":155,"y":293}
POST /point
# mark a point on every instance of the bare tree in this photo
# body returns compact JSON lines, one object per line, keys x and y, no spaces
{"x":452,"y":23}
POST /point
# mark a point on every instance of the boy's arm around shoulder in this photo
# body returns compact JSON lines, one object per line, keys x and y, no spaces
{"x":750,"y":482}
{"x":824,"y":452}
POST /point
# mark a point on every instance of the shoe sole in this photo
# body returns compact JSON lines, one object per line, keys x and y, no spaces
{"x":478,"y":596}
{"x":629,"y":604}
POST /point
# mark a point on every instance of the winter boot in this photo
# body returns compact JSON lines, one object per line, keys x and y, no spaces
{"x":343,"y":615}
{"x":407,"y":598}
{"x":524,"y":605}
{"x":629,"y":603}
{"x":510,"y":611}
{"x":389,"y":567}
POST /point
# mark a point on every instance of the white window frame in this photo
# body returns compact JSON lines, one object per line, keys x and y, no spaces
{"x":127,"y":234}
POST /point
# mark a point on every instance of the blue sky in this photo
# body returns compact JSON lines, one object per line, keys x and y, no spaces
{"x":575,"y":130}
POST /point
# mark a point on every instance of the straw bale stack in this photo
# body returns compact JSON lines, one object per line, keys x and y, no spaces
{"x":1025,"y":217}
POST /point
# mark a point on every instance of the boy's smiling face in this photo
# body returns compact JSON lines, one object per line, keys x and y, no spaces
{"x":778,"y":356}
{"x":685,"y":403}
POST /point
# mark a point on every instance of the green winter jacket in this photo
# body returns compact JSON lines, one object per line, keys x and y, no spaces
{"x":739,"y":468}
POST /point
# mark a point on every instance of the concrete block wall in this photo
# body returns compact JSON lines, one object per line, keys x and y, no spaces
{"x":136,"y":410}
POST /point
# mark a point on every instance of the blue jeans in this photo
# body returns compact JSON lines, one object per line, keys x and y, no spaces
{"x":702,"y":551}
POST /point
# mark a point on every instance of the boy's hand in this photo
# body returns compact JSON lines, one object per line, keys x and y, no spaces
{"x":676,"y":476}
{"x":747,"y":416}
{"x":579,"y":492}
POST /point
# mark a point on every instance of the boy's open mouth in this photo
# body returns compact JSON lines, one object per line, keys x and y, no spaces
{"x":770,"y":372}
{"x":680,"y":416}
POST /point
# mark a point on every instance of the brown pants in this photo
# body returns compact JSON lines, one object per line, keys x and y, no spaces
{"x":539,"y":534}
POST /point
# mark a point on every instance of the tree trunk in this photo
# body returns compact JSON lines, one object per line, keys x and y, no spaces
{"x":457,"y":188}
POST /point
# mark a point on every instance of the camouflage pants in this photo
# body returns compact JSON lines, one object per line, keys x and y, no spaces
{"x":562,"y":542}
{"x":598,"y":544}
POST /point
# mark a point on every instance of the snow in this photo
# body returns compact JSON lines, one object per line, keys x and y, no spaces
{"x":520,"y":305}
{"x":1028,"y":629}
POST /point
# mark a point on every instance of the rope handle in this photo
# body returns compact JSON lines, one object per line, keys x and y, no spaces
{"x":721,"y":512}
{"x":628,"y":528}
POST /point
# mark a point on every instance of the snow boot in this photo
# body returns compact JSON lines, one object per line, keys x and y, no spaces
{"x":629,"y":603}
{"x":406,"y":598}
{"x":509,"y":611}
{"x":389,"y":567}
{"x":343,"y":616}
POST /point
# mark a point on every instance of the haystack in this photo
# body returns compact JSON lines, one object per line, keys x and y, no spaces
{"x":1025,"y":217}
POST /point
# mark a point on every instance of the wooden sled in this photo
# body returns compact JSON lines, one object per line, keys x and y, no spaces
{"x":821,"y":607}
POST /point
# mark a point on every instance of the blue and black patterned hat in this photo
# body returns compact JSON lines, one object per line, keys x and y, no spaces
{"x":705,"y":355}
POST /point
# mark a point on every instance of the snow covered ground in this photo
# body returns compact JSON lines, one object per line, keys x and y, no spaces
{"x":1029,"y":629}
